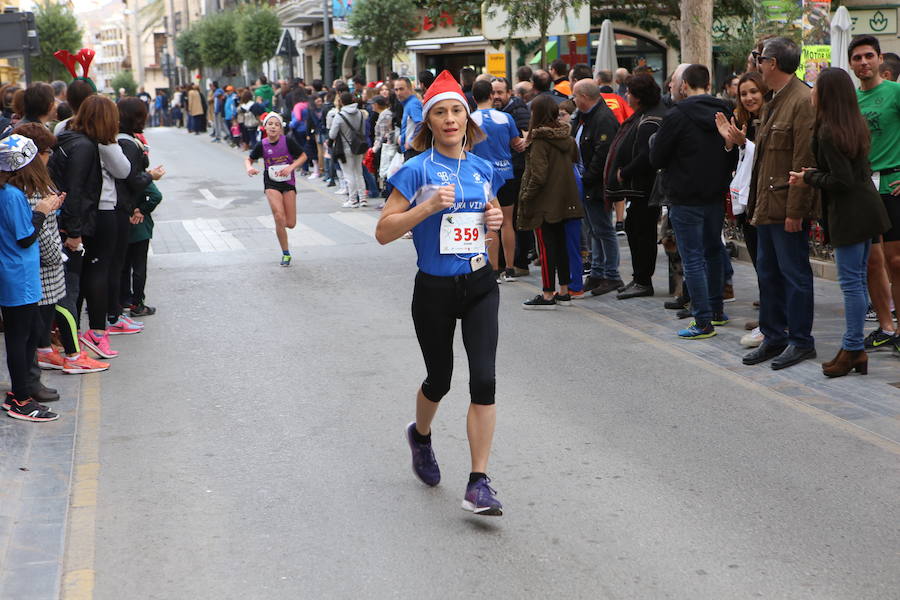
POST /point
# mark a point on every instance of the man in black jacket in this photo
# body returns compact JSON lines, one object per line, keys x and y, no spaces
{"x":698,"y":173}
{"x":503,"y":100}
{"x":594,"y":126}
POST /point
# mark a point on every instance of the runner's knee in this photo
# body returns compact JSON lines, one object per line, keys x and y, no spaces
{"x":435,"y":389}
{"x":482,"y":390}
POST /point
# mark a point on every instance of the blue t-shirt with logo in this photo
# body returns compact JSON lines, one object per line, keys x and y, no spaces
{"x":476,"y":183}
{"x":20,"y":268}
{"x":499,"y":128}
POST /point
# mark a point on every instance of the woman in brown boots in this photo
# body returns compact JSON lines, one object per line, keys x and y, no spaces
{"x":852,"y":210}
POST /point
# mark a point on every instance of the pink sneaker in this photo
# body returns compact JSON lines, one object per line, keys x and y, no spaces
{"x":132,"y":322}
{"x":98,"y":343}
{"x":50,"y":360}
{"x":82,"y":363}
{"x":122,"y":327}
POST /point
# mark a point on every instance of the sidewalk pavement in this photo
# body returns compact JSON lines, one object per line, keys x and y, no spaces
{"x":35,"y":478}
{"x":871,"y":402}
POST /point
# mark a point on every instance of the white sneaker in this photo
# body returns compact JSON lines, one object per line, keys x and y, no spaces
{"x":753,"y":339}
{"x":362,"y":203}
{"x":350,"y":204}
{"x":313,"y":176}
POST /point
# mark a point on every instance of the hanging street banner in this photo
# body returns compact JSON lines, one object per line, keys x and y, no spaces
{"x":816,"y":51}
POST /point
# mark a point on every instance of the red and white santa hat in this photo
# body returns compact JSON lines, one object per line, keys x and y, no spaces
{"x":444,"y":87}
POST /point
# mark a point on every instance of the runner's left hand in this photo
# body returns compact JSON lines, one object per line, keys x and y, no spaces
{"x":493,"y":217}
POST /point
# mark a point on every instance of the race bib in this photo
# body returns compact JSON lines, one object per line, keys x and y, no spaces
{"x":273,"y":173}
{"x":462,"y":233}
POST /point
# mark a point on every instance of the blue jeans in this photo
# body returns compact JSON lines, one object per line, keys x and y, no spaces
{"x":371,"y":185}
{"x":851,"y":266}
{"x":573,"y":248}
{"x":785,"y":286}
{"x":604,"y":244}
{"x":698,"y":234}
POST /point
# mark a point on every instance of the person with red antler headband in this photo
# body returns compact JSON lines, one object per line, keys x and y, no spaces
{"x":84,"y":57}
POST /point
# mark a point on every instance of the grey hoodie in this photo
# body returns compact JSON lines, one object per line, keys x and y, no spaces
{"x":356,"y":119}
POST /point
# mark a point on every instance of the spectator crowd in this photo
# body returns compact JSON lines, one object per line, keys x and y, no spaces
{"x":586,"y":159}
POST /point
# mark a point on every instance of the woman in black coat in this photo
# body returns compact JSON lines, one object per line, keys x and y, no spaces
{"x":630,"y":176}
{"x":853,"y":210}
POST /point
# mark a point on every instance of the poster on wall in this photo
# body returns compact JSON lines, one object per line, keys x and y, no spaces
{"x":340,"y":18}
{"x":816,"y":36}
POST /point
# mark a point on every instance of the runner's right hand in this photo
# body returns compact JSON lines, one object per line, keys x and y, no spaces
{"x":252,"y":171}
{"x":443,"y":198}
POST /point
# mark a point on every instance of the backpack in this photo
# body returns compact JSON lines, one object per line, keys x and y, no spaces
{"x":357,"y":141}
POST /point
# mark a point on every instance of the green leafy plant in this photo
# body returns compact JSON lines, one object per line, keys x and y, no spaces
{"x":218,"y":43}
{"x":382,"y":28}
{"x":258,"y":32}
{"x":187,"y":46}
{"x":57,"y":29}
{"x":528,"y":14}
{"x":124,"y":79}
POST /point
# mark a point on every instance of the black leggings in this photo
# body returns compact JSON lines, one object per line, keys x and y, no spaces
{"x":100,"y":249}
{"x":114,"y":299}
{"x":436,"y":305}
{"x":22,"y":328}
{"x":551,"y":242}
{"x":641,"y":223}
{"x":134,"y":273}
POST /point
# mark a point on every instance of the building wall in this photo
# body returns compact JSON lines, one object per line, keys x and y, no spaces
{"x":8,"y":72}
{"x":879,"y":19}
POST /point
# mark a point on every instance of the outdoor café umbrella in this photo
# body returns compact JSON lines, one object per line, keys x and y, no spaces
{"x":840,"y":38}
{"x":606,"y":49}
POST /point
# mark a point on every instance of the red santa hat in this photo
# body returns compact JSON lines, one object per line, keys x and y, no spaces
{"x":444,"y":88}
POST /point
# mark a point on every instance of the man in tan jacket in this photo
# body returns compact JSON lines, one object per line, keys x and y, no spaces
{"x":781,"y":213}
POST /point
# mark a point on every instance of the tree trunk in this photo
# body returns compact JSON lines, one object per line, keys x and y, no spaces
{"x":544,"y":49}
{"x":696,"y":32}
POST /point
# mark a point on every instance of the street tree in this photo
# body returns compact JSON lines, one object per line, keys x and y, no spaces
{"x":258,"y":32}
{"x":124,"y":79}
{"x":218,"y":46}
{"x":187,"y":46}
{"x":382,"y":28}
{"x":57,"y":29}
{"x":532,"y":14}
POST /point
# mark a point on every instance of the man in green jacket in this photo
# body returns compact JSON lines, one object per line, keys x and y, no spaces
{"x":782,"y":213}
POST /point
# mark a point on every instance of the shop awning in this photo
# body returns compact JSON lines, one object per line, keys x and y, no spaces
{"x":552,"y":50}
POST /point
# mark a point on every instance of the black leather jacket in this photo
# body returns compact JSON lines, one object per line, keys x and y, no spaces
{"x":518,"y":110}
{"x":75,"y":169}
{"x":600,"y":127}
{"x":130,"y":192}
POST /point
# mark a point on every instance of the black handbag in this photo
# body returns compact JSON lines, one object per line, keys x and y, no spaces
{"x":658,"y":195}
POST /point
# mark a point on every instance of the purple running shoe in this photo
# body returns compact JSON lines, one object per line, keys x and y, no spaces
{"x":481,"y":499}
{"x":424,"y":464}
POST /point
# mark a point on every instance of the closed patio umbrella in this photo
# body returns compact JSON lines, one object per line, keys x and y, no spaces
{"x":606,"y":49}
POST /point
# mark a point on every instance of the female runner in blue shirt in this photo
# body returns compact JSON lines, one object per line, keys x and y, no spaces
{"x":444,"y":196}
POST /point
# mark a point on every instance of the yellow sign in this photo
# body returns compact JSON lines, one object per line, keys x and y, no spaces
{"x":496,"y":64}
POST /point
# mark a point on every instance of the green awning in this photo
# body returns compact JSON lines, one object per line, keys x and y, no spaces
{"x":552,"y":49}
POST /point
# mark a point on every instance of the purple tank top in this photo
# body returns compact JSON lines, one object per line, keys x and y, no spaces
{"x":277,"y":154}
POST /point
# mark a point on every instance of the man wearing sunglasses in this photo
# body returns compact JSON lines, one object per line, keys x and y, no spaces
{"x":782,"y":213}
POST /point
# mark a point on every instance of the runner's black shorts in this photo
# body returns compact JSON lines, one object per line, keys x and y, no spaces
{"x":437,"y":304}
{"x":279,"y":186}
{"x":509,"y":193}
{"x":892,"y":204}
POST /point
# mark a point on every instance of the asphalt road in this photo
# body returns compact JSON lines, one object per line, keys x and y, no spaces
{"x":251,"y":440}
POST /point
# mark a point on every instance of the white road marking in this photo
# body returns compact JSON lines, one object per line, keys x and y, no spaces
{"x":210,"y":235}
{"x":210,"y":199}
